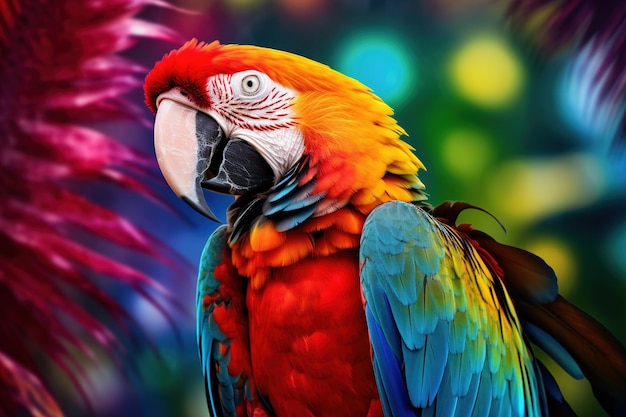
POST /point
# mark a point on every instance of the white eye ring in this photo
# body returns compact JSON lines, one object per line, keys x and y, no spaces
{"x":250,"y":84}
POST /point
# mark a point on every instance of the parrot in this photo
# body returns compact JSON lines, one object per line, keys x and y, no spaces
{"x":335,"y":288}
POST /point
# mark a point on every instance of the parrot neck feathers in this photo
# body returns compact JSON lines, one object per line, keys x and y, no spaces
{"x":297,"y":198}
{"x":289,"y":203}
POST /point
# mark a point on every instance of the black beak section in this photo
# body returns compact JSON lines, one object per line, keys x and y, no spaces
{"x":238,"y":170}
{"x":234,"y":166}
{"x":193,"y":152}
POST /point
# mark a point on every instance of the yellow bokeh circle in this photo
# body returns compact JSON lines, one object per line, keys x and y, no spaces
{"x":486,"y":71}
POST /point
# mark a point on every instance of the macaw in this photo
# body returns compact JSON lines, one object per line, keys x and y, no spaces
{"x":334,"y":288}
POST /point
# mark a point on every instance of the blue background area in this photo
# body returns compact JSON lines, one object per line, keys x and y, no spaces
{"x":538,"y":160}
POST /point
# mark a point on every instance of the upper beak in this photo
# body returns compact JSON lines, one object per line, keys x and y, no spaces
{"x":193,"y":152}
{"x":178,"y":150}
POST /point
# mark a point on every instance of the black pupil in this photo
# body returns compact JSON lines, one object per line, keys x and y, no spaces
{"x":250,"y":83}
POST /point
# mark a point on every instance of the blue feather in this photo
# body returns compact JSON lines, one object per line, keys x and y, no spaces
{"x":394,"y":396}
{"x":456,"y":376}
{"x":429,"y":411}
{"x":518,"y":397}
{"x":428,"y":261}
{"x":292,"y":198}
{"x":506,"y":410}
{"x":405,"y":292}
{"x":424,"y":368}
{"x":310,"y":201}
{"x":465,"y":404}
{"x":293,"y":219}
{"x":291,"y":201}
{"x":425,"y":318}
{"x":220,"y":385}
{"x":407,"y":319}
{"x":282,"y":190}
{"x":379,"y":304}
{"x":446,"y":400}
{"x":553,"y":348}
{"x":458,"y":333}
{"x":496,"y":407}
{"x":482,"y":408}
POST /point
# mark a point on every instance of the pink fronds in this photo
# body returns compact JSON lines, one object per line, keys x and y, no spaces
{"x":22,"y":390}
{"x":597,"y":31}
{"x":62,"y":71}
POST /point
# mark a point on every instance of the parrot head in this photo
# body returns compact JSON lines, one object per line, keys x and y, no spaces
{"x":240,"y":119}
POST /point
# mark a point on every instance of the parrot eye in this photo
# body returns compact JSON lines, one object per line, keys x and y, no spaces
{"x":250,"y":84}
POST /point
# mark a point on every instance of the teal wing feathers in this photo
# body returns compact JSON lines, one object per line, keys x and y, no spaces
{"x":222,"y":329}
{"x":446,"y":340}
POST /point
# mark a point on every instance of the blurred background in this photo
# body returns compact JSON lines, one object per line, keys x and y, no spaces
{"x":497,"y":121}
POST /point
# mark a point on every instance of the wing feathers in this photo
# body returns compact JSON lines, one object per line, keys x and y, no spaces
{"x":445,"y":339}
{"x":577,"y":342}
{"x":601,"y":357}
{"x":447,"y":408}
{"x":388,"y":373}
{"x":526,"y":274}
{"x":222,"y":329}
{"x":424,"y":368}
{"x":553,"y":348}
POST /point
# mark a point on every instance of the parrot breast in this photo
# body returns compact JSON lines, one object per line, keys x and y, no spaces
{"x":309,"y":342}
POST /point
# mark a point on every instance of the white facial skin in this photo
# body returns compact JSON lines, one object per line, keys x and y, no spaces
{"x":250,"y":106}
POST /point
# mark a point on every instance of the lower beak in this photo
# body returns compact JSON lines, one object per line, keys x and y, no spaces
{"x":193,"y":152}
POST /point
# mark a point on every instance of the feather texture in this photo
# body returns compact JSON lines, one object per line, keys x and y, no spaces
{"x":462,"y":351}
{"x":576,"y":341}
{"x":599,"y":354}
{"x":222,"y":329}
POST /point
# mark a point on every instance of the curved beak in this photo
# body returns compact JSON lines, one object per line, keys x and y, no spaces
{"x":177,"y":151}
{"x":193,"y":152}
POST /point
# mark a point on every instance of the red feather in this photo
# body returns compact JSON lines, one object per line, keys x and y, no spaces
{"x":304,"y":350}
{"x":61,"y":71}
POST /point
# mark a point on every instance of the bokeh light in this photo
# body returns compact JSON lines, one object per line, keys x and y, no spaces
{"x":531,"y":189}
{"x":380,"y":59}
{"x":149,"y":316}
{"x":466,"y":153}
{"x":486,"y":71}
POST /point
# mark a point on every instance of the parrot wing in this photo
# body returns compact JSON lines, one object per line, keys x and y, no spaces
{"x":222,"y":329}
{"x":445,"y":338}
{"x":576,"y":341}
